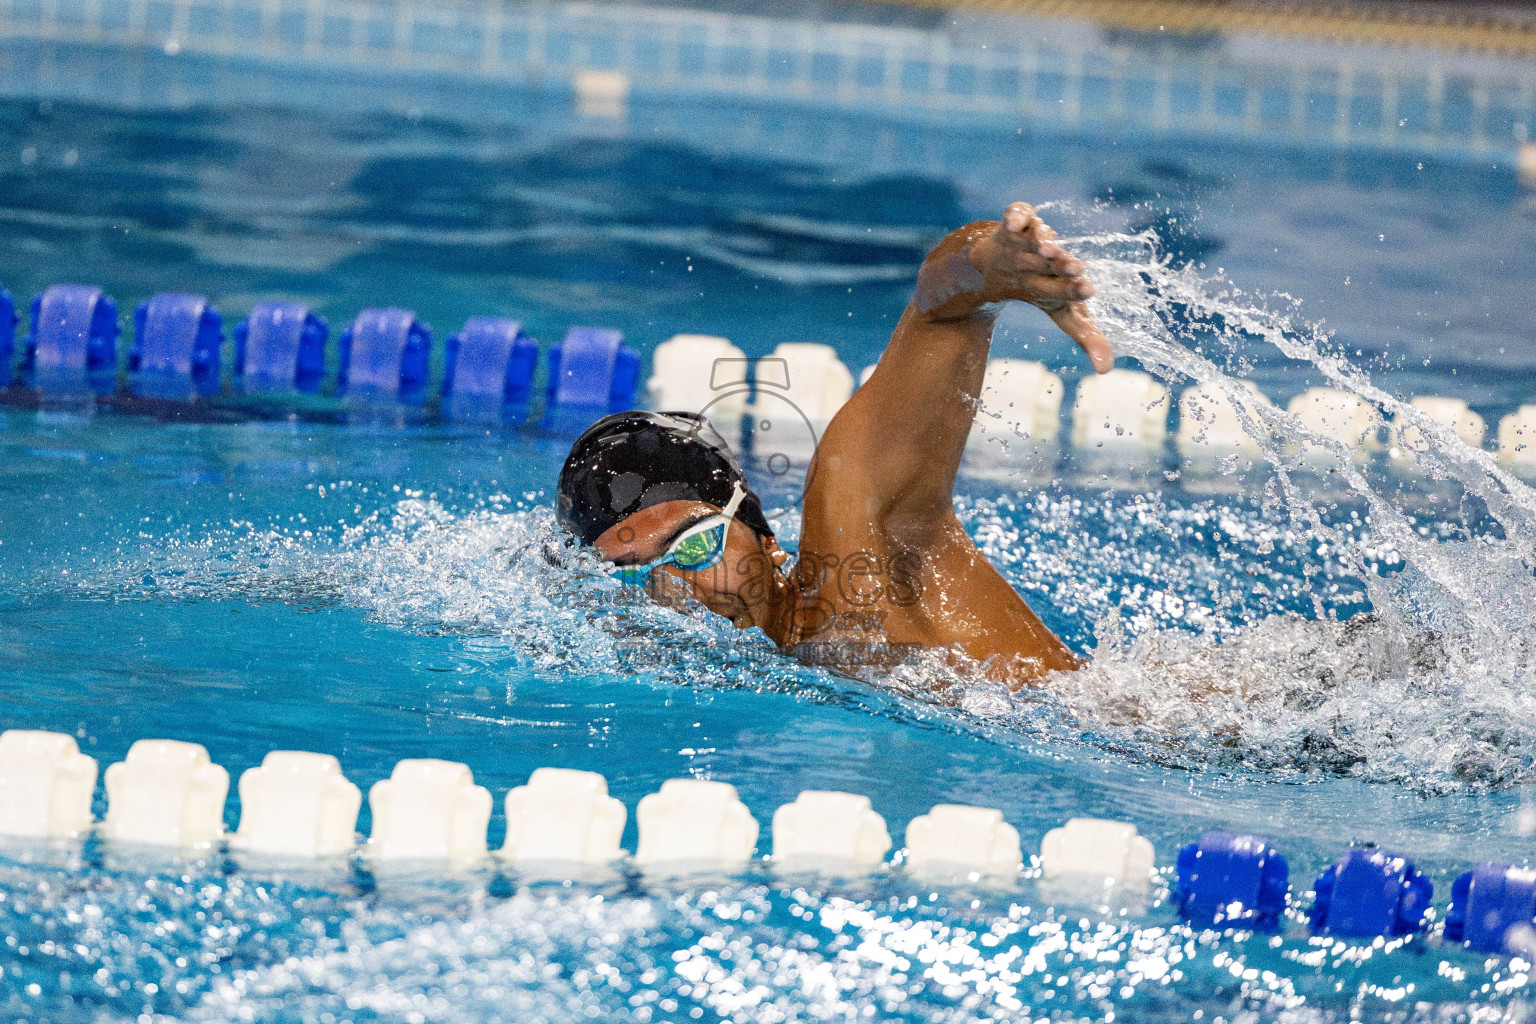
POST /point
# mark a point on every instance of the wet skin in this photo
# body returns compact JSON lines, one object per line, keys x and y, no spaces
{"x":884,"y":564}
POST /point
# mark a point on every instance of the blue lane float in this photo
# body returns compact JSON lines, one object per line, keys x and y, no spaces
{"x":384,"y":357}
{"x":280,"y":347}
{"x":591,"y":374}
{"x":1493,"y":909}
{"x":8,"y":321}
{"x":1371,"y":892}
{"x":488,"y":371}
{"x":1232,"y":880}
{"x":175,"y":351}
{"x":72,"y":345}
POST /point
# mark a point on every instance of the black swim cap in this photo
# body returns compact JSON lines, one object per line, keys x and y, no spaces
{"x":632,"y":460}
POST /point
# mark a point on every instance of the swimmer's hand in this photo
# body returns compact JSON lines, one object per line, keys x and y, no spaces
{"x":1015,"y":258}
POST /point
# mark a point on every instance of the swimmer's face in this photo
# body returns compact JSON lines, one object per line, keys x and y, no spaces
{"x":737,"y":586}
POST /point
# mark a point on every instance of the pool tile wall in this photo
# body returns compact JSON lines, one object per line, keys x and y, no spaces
{"x":1049,"y":73}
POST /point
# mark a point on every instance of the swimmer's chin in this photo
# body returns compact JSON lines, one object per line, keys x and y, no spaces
{"x":734,"y":612}
{"x":697,"y":608}
{"x":739,"y":619}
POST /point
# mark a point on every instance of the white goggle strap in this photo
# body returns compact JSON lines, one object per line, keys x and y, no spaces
{"x":737,"y":497}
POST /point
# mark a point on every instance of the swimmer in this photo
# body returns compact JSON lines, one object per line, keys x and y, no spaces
{"x":884,"y":566}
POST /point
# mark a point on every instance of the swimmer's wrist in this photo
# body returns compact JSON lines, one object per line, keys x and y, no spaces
{"x":949,"y":284}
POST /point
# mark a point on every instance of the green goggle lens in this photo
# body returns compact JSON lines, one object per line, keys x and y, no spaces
{"x":695,"y":550}
{"x":700,"y":549}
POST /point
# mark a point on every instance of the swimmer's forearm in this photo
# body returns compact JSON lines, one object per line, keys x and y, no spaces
{"x":905,"y":429}
{"x":903,"y":432}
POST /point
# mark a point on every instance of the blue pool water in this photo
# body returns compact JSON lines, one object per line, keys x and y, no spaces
{"x":380,"y":593}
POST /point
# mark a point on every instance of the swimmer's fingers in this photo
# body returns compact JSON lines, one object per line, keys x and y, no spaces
{"x":1048,"y":247}
{"x":1029,"y":244}
{"x":1021,"y":225}
{"x":1045,"y":288}
{"x":1015,"y":265}
{"x":1019,"y":266}
{"x":1073,"y":318}
{"x":1060,"y":287}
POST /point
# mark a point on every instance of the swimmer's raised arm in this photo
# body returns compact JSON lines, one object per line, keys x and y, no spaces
{"x":900,"y":438}
{"x":885,"y":566}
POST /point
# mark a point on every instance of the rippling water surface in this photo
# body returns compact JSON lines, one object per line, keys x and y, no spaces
{"x":1315,"y":648}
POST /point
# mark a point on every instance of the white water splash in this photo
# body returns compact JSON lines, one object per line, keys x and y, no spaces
{"x":1433,"y":688}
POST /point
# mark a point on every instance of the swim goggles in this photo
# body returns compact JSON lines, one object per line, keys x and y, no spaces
{"x":701,"y":546}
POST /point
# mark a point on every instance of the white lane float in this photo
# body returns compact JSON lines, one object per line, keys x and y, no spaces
{"x":601,"y":93}
{"x":165,"y":793}
{"x":1121,"y":408}
{"x":957,"y":836}
{"x":429,"y":809}
{"x":297,"y":804}
{"x":1408,"y":440}
{"x":46,"y":785}
{"x":797,"y":390}
{"x":1098,"y":849}
{"x":1019,"y":405}
{"x":1517,"y":438}
{"x":695,"y":821}
{"x":1210,"y":424}
{"x":703,"y":374}
{"x":1342,"y":416}
{"x":1453,"y":413}
{"x":563,"y":815}
{"x":829,"y":828}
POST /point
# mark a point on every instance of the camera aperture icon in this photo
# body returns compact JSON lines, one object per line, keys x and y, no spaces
{"x":775,"y":436}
